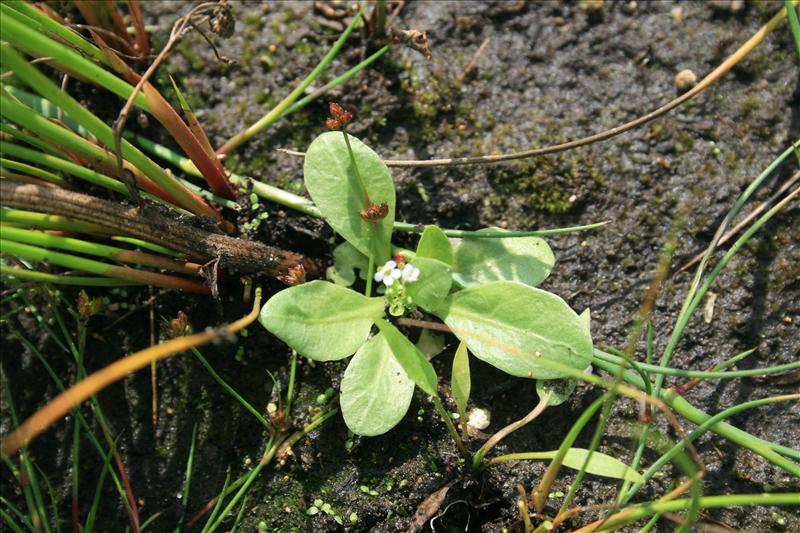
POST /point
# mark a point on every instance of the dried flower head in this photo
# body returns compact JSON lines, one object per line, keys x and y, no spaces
{"x":375,"y":212}
{"x":295,"y":275}
{"x":222,"y":21}
{"x":339,"y":116}
{"x":177,"y":327}
{"x":88,"y":307}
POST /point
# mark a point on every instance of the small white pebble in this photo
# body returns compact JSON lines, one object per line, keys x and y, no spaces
{"x":479,"y":418}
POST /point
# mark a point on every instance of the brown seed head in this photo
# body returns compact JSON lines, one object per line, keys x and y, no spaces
{"x":295,"y":275}
{"x":375,"y":212}
{"x":339,"y":116}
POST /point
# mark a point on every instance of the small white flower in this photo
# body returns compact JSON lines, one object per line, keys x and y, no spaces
{"x":388,"y":273}
{"x":410,"y":273}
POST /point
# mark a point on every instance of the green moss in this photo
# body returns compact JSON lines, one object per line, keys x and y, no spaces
{"x":247,"y":52}
{"x":684,"y":143}
{"x":544,"y":184}
{"x":254,"y":19}
{"x":434,"y":101}
{"x":751,"y":104}
{"x":192,"y":56}
{"x":302,"y":47}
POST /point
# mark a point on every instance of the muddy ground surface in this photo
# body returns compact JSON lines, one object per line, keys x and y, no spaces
{"x":549,"y":72}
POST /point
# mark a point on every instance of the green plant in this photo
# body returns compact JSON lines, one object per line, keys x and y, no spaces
{"x":483,"y":290}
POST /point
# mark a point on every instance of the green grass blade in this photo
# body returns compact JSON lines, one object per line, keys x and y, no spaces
{"x":187,"y":479}
{"x":794,"y":25}
{"x":59,"y":279}
{"x":43,"y":23}
{"x":31,"y":170}
{"x":230,"y":390}
{"x":284,"y":104}
{"x":103,"y":132}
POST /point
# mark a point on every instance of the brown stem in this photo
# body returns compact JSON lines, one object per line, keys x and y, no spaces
{"x":154,"y":226}
{"x":704,"y":84}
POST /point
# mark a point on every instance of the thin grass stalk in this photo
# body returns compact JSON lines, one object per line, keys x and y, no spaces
{"x":770,"y":451}
{"x":664,"y":402}
{"x":148,"y":99}
{"x":277,"y":446}
{"x":140,"y":33}
{"x":187,"y":478}
{"x":27,"y":39}
{"x":88,"y":152}
{"x":105,"y":15}
{"x":794,"y":25}
{"x":92,"y":248}
{"x":694,"y":293}
{"x":276,"y":112}
{"x":695,"y":298}
{"x":104,"y":133}
{"x":637,"y":512}
{"x":307,"y":207}
{"x":13,"y":132}
{"x":36,"y":253}
{"x":701,"y":86}
{"x":31,"y":170}
{"x":342,"y":78}
{"x":230,"y":390}
{"x":101,"y":379}
{"x":701,"y":430}
{"x":64,"y":165}
{"x":33,"y":219}
{"x":699,"y":374}
{"x":540,"y":495}
{"x":29,"y":486}
{"x":84,"y":424}
{"x":40,"y":21}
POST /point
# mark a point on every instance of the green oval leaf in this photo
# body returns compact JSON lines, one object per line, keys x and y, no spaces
{"x":413,"y":362}
{"x":346,"y":259}
{"x":376,"y":391}
{"x":601,"y":464}
{"x":555,"y":390}
{"x":321,"y":320}
{"x":332,"y":183}
{"x":586,"y":318}
{"x":430,"y":344}
{"x":435,"y":244}
{"x":528,"y":260}
{"x":515,"y":328}
{"x":460,"y":379}
{"x":433,"y":284}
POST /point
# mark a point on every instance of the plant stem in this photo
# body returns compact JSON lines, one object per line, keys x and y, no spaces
{"x":643,"y":510}
{"x":230,"y":390}
{"x":361,"y":184}
{"x":702,"y":429}
{"x":292,"y":379}
{"x":727,"y":374}
{"x":477,"y":459}
{"x":276,"y":112}
{"x":99,"y":380}
{"x":44,"y":277}
{"x":794,"y":25}
{"x":437,"y":403}
{"x":370,"y":273}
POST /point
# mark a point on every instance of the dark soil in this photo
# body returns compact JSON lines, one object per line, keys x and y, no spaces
{"x":550,"y":72}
